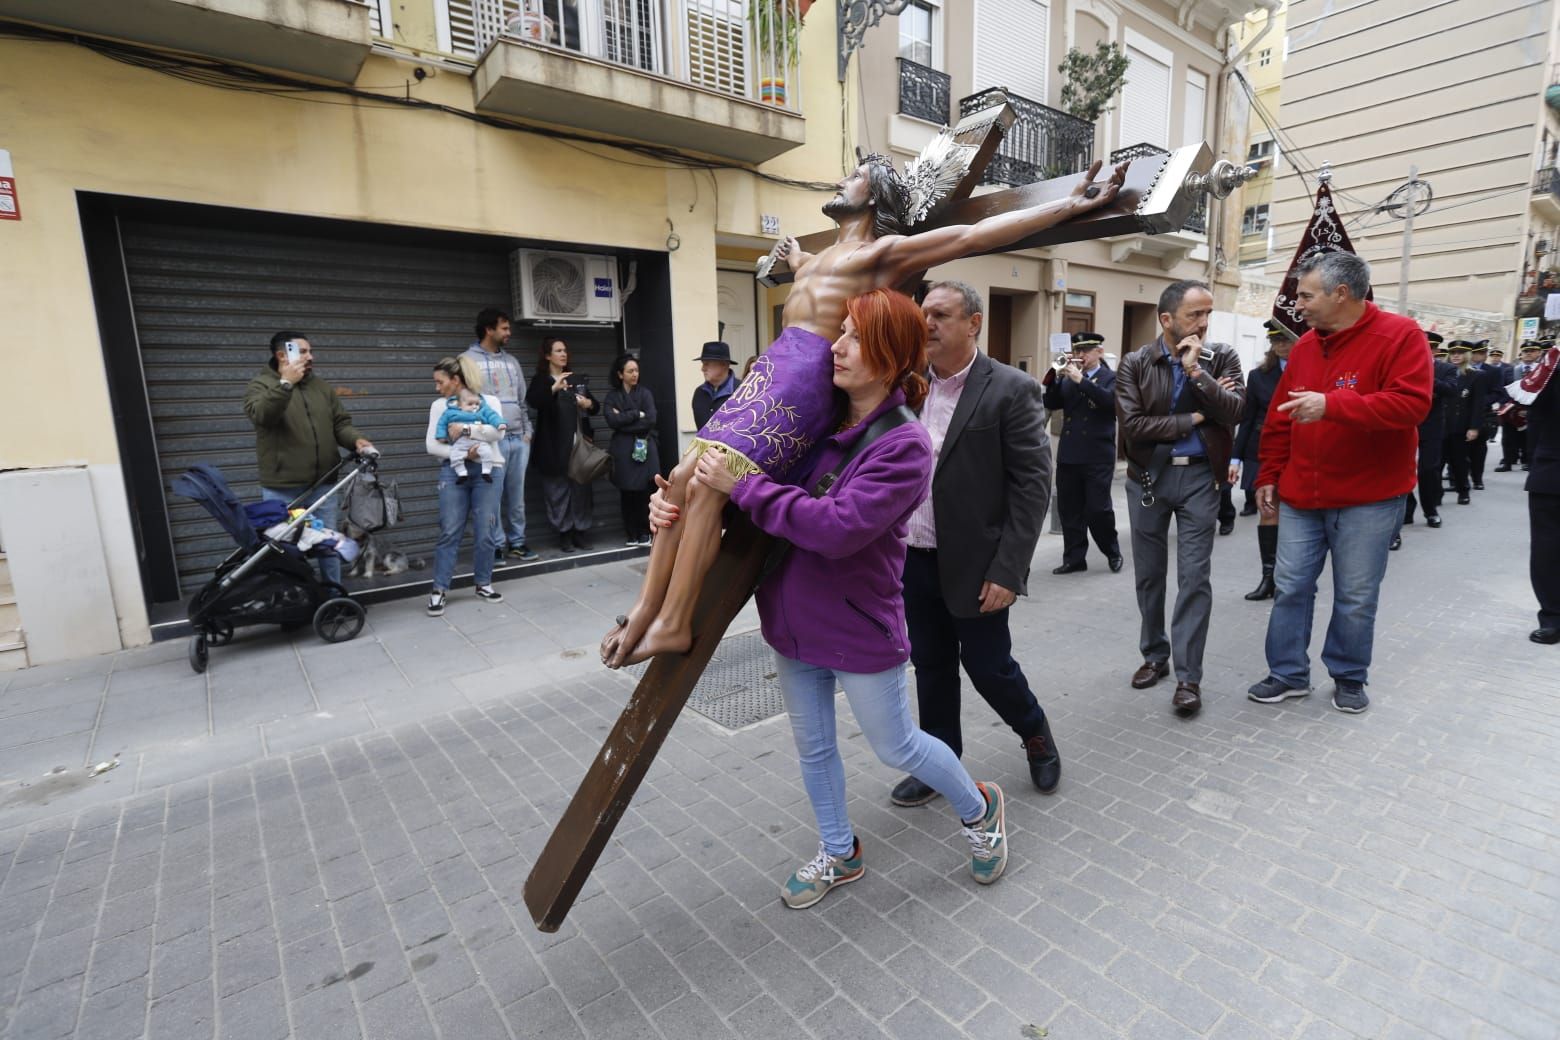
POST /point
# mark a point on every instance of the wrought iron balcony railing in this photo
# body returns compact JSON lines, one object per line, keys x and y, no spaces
{"x":1547,"y":182}
{"x":1197,"y":220}
{"x":1042,"y":143}
{"x":924,"y":92}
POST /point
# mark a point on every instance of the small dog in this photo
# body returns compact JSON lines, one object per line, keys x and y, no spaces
{"x":377,"y":555}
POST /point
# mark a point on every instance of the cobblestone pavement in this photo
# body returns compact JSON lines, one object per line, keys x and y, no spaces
{"x":1257,"y":872}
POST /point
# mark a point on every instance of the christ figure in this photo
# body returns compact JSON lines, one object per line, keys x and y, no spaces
{"x":787,"y":404}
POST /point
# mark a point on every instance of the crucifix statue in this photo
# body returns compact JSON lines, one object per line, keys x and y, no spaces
{"x":892,"y":228}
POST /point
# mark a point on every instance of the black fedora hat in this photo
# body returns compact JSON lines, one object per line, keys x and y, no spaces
{"x":715,"y":350}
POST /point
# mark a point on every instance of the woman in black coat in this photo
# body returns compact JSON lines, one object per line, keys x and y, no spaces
{"x":563,"y":405}
{"x":1464,"y":414}
{"x":1246,"y":458}
{"x":630,"y":411}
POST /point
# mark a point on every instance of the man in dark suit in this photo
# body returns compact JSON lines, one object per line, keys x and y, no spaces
{"x":1177,"y":401}
{"x":972,"y":539}
{"x":1086,"y":460}
{"x":1431,"y":433}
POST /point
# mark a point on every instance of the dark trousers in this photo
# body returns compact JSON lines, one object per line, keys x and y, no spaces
{"x":1083,"y":500}
{"x":940,"y":642}
{"x":1477,"y":451}
{"x":1455,"y":451}
{"x":636,"y":513}
{"x":1226,"y":505}
{"x":1513,"y":446}
{"x":1430,"y":490}
{"x":1544,"y":555}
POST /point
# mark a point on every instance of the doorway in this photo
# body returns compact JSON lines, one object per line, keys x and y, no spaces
{"x":999,"y":329}
{"x":1078,"y":312}
{"x":735,"y":307}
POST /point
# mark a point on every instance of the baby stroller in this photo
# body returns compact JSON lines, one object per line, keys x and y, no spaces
{"x":267,"y":580}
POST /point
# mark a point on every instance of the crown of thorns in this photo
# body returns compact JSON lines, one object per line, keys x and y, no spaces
{"x":901,"y":189}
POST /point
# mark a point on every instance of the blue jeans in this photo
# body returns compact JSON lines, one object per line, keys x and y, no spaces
{"x":1358,"y":539}
{"x":881,"y":703}
{"x":329,"y":563}
{"x":517,"y":454}
{"x":476,"y":500}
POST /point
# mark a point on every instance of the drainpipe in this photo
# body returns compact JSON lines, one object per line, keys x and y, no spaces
{"x":1221,"y":113}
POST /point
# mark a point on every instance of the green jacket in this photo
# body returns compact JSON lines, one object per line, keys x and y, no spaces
{"x":297,"y":430}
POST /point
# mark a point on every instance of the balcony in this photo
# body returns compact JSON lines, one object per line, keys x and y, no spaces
{"x":1043,"y":142}
{"x":1169,"y":248}
{"x":1546,"y":194}
{"x":924,"y":92}
{"x":321,"y":39}
{"x":713,"y":76}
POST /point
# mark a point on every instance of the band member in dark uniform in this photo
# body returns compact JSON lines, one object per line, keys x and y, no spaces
{"x":1084,"y":388}
{"x":1432,"y":432}
{"x":1260,"y":384}
{"x":1539,"y":393}
{"x":1513,"y":434}
{"x":1494,"y":375}
{"x":1464,"y":413}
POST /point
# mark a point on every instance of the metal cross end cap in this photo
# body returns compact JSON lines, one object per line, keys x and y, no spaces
{"x":1220,"y":181}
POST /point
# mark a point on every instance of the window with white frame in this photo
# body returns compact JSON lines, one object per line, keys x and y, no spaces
{"x":1255,"y":220}
{"x":1260,"y":153}
{"x":1011,"y":46}
{"x":918,"y":33}
{"x":1195,"y":123}
{"x":1264,"y":57}
{"x":1145,"y":100}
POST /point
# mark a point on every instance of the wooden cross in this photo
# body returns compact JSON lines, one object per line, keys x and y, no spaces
{"x":1152,"y":200}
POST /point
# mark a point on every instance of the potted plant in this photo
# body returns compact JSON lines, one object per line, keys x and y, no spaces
{"x":777,"y":33}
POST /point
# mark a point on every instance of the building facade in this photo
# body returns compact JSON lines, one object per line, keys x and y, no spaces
{"x":1453,"y":89}
{"x":921,"y":69}
{"x":191,"y":178}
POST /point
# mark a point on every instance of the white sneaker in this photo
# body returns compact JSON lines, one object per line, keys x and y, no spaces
{"x":490,"y":594}
{"x":436,"y":604}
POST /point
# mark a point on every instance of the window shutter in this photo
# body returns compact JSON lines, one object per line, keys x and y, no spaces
{"x":717,"y":46}
{"x":1010,"y":47}
{"x":1145,"y":101}
{"x":468,"y":26}
{"x":1196,"y":107}
{"x":379,"y":19}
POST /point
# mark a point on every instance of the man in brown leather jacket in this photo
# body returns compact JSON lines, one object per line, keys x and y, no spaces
{"x":1177,"y":402}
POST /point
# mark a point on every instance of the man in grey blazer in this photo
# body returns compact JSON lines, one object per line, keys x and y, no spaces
{"x":971,"y":541}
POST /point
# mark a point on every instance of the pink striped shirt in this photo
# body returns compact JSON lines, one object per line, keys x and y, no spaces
{"x":936,"y":414}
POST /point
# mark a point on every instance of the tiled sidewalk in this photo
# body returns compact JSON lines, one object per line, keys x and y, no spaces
{"x":1257,"y":872}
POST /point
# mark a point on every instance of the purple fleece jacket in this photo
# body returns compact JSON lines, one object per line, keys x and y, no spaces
{"x":836,"y":600}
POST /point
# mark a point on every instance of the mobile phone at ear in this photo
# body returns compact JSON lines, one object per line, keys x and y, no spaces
{"x":293,"y":353}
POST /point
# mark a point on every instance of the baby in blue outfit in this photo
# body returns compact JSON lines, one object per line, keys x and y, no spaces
{"x":468,"y":407}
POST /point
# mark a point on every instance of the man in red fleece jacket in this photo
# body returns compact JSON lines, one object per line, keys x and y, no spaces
{"x":1337,"y":458}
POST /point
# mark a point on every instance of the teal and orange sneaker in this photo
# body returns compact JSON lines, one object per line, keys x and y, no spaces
{"x":820,"y":876}
{"x":988,"y":838}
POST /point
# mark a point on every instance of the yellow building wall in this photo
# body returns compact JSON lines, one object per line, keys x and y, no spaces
{"x":79,"y":122}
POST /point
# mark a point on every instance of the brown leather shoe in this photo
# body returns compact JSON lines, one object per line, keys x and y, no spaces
{"x":1187,"y":699}
{"x":1149,"y":674}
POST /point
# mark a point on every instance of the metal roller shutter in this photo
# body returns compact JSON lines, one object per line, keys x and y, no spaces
{"x":206,"y":302}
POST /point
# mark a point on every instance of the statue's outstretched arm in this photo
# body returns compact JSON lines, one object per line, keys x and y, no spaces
{"x":911,"y":253}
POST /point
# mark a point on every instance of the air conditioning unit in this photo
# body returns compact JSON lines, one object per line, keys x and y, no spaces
{"x":565,"y":288}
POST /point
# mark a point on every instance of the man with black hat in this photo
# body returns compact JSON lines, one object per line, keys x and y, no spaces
{"x":1084,"y":389}
{"x":1513,"y":435}
{"x":1464,"y":413}
{"x":1431,"y":434}
{"x":719,"y":383}
{"x":1493,"y":375}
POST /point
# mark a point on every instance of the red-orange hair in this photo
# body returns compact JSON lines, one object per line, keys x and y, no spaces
{"x":892,"y":333}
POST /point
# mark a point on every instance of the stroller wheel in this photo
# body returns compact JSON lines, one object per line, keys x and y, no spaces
{"x":340,"y":619}
{"x":198,"y":653}
{"x":220,"y":634}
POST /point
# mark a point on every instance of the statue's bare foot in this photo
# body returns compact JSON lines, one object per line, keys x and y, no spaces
{"x":612,"y":640}
{"x":660,"y":639}
{"x":628,"y":635}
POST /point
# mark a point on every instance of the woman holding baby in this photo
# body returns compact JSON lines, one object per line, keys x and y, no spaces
{"x":467,"y":492}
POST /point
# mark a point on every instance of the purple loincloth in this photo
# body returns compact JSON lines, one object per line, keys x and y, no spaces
{"x":784,"y":407}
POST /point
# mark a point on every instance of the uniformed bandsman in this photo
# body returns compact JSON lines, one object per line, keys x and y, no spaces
{"x":1084,"y":389}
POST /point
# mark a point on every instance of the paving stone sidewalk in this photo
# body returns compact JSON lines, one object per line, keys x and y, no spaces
{"x":1258,"y":872}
